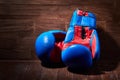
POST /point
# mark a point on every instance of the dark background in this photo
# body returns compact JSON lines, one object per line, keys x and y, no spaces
{"x":21,"y":21}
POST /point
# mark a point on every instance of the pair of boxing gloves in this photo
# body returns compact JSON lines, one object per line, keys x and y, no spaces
{"x":77,"y":48}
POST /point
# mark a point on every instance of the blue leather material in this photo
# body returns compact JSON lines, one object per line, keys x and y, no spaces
{"x":77,"y":56}
{"x":89,"y":20}
{"x":69,"y":35}
{"x":97,"y":48}
{"x":45,"y":43}
{"x":90,"y":14}
{"x":74,"y":19}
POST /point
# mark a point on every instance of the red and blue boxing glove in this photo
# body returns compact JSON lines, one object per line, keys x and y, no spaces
{"x":77,"y":47}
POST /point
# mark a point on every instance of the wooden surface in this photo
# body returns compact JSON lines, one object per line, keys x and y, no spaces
{"x":21,"y":21}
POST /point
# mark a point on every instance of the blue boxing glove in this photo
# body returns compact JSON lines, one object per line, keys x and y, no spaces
{"x":81,"y":44}
{"x":48,"y":46}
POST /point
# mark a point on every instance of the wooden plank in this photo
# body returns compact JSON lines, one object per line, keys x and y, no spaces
{"x":16,"y":25}
{"x":64,"y":74}
{"x":94,"y":77}
{"x":18,"y":17}
{"x":56,"y":2}
{"x":24,"y":71}
{"x":32,"y":69}
{"x":34,"y":11}
{"x":109,"y":77}
{"x":46,"y":7}
{"x":17,"y":47}
{"x":11,"y":54}
{"x":54,"y":10}
{"x":48,"y":74}
{"x":50,"y":23}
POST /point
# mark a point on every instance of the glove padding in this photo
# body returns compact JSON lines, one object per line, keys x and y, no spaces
{"x":48,"y":46}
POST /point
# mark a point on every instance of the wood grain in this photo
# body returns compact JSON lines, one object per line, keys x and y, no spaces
{"x":21,"y":21}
